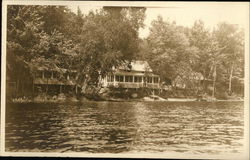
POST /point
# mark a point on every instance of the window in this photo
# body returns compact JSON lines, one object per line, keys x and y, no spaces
{"x":119,"y":78}
{"x":110,"y":78}
{"x":138,"y":79}
{"x":56,"y":75}
{"x":39,"y":74}
{"x":156,"y":79}
{"x":149,"y":79}
{"x":135,"y":79}
{"x":47,"y":74}
{"x":128,"y":79}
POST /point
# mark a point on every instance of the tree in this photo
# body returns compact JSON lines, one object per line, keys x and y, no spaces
{"x":169,"y":53}
{"x":231,"y":39}
{"x":200,"y":39}
{"x":109,"y":37}
{"x":29,"y":45}
{"x":23,"y":29}
{"x":215,"y":59}
{"x":54,"y":18}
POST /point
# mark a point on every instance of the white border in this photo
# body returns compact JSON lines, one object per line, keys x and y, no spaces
{"x":127,"y":155}
{"x":246,"y":88}
{"x":3,"y":77}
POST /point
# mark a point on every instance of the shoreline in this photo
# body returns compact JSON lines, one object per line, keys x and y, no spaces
{"x":126,"y":100}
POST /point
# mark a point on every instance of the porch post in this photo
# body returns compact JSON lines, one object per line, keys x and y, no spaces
{"x":60,"y":88}
{"x":33,"y":87}
{"x":43,"y":74}
{"x":51,"y":74}
{"x":47,"y":85}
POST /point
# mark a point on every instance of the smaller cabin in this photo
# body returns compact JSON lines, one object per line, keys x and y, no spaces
{"x":55,"y":81}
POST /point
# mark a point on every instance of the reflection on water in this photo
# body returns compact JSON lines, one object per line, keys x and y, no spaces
{"x":115,"y":127}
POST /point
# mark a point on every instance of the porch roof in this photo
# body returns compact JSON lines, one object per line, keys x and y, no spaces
{"x":133,"y":73}
{"x":138,"y":66}
{"x":53,"y":81}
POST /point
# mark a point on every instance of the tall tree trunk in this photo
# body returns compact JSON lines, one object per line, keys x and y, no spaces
{"x":76,"y":89}
{"x":84,"y":85}
{"x":230,"y":79}
{"x":33,"y":89}
{"x":47,"y":86}
{"x":17,"y":88}
{"x":60,"y":89}
{"x":214,"y":81}
{"x":204,"y":81}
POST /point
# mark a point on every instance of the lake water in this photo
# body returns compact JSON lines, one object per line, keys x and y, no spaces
{"x":126,"y":127}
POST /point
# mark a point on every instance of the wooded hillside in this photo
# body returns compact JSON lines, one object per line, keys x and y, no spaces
{"x":55,"y":37}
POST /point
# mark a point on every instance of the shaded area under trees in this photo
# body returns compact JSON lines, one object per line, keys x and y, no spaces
{"x":92,"y":44}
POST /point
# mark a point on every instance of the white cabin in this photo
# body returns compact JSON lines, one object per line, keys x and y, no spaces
{"x":136,"y":75}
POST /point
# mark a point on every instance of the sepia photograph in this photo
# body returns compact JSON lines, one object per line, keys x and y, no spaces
{"x":125,"y":79}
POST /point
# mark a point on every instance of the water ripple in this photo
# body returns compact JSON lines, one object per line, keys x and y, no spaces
{"x":114,"y":127}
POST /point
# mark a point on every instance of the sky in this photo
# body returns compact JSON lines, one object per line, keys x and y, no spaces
{"x":185,"y":14}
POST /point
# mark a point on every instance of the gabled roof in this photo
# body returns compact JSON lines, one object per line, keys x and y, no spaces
{"x":139,"y":66}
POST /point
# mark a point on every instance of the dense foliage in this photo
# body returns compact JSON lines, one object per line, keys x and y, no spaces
{"x":53,"y":37}
{"x":215,"y":56}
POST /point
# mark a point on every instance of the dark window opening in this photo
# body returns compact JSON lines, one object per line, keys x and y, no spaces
{"x":149,"y":79}
{"x":156,"y":80}
{"x":110,"y":78}
{"x":39,"y":74}
{"x":119,"y":78}
{"x":47,"y":74}
{"x":128,"y":78}
{"x":56,"y":75}
{"x":138,"y":79}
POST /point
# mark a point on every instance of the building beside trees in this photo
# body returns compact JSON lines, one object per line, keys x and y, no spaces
{"x":137,"y":74}
{"x":52,"y":82}
{"x":67,"y":52}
